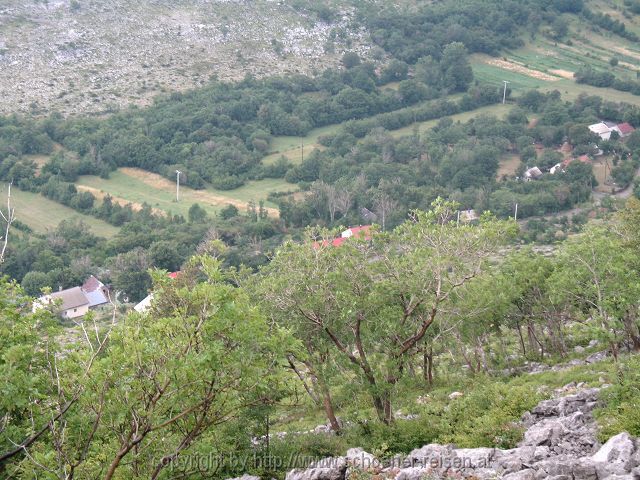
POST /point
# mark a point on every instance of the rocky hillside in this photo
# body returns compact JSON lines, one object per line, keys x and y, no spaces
{"x":560,"y":443}
{"x":93,"y":56}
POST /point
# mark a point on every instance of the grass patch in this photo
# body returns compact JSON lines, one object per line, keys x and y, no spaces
{"x":508,"y":165}
{"x":602,"y":171}
{"x":138,"y":187}
{"x":291,"y":147}
{"x":43,"y":215}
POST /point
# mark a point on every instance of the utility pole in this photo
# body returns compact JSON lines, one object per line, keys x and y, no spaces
{"x":504,"y":94}
{"x":515,"y":215}
{"x":178,"y":172}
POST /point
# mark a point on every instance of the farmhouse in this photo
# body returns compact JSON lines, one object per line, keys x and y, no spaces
{"x":601,"y":129}
{"x":533,"y":173}
{"x":605,"y":129}
{"x":625,"y":129}
{"x":77,"y":301}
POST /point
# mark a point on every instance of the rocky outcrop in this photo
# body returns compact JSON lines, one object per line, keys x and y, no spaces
{"x":559,"y":443}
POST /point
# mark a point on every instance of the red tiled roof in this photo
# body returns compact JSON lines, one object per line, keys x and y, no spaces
{"x":361,"y":231}
{"x":173,"y":274}
{"x":625,"y":128}
{"x":92,"y":284}
{"x":584,"y":158}
{"x":356,"y":231}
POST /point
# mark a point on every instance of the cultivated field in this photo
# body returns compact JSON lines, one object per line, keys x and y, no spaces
{"x":550,"y":65}
{"x":135,"y":186}
{"x":43,"y":215}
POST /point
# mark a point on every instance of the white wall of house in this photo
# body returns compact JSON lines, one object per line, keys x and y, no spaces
{"x":76,"y":312}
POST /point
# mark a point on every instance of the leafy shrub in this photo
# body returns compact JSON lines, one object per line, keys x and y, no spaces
{"x":621,"y":412}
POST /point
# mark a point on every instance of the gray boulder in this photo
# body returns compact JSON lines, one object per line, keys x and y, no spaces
{"x":616,"y":456}
{"x":413,"y":473}
{"x":325,"y":469}
{"x":527,"y":474}
{"x":546,"y":432}
{"x":358,"y":458}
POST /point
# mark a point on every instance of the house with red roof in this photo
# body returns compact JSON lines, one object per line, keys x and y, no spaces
{"x":361,"y":231}
{"x":625,"y":129}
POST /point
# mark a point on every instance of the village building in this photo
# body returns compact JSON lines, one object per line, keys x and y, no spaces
{"x":76,"y":301}
{"x":533,"y":173}
{"x":605,"y":129}
{"x":145,"y":303}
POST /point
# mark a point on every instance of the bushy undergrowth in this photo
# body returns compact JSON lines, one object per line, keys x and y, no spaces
{"x":621,"y":410}
{"x":485,"y":416}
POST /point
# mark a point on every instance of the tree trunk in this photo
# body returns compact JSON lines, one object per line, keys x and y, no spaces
{"x":631,"y":329}
{"x":522,"y":345}
{"x":427,"y":365}
{"x":310,"y":392}
{"x":328,"y":409}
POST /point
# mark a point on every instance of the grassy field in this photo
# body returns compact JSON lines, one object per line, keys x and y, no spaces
{"x":549,"y":65}
{"x":135,"y":186}
{"x":42,"y":214}
{"x":292,"y":147}
{"x":568,"y":88}
{"x":497,"y":110}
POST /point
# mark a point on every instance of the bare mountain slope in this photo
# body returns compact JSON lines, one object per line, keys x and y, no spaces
{"x":95,"y":55}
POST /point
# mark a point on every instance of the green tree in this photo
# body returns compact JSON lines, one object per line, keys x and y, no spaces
{"x":593,"y":277}
{"x":350,"y":60}
{"x":367,"y":305}
{"x":455,"y":66}
{"x":130,"y":275}
{"x":197,"y":214}
{"x":27,"y":347}
{"x":175,"y":379}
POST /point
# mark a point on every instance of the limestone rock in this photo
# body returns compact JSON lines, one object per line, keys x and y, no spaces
{"x":325,"y":469}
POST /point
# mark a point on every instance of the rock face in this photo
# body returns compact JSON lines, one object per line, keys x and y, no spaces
{"x":559,"y":444}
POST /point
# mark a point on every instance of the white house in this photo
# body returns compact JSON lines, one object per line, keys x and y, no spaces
{"x":76,"y":302}
{"x":556,"y":168}
{"x":73,"y":302}
{"x":601,"y":129}
{"x":605,"y":129}
{"x":144,"y":304}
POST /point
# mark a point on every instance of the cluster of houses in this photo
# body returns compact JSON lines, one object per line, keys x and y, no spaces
{"x":603,"y":129}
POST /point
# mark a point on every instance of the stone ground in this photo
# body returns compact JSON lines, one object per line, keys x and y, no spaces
{"x":94,"y":56}
{"x":560,"y":443}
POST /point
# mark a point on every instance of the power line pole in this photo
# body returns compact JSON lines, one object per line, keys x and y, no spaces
{"x":515,"y":215}
{"x":504,"y":94}
{"x":178,"y":172}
